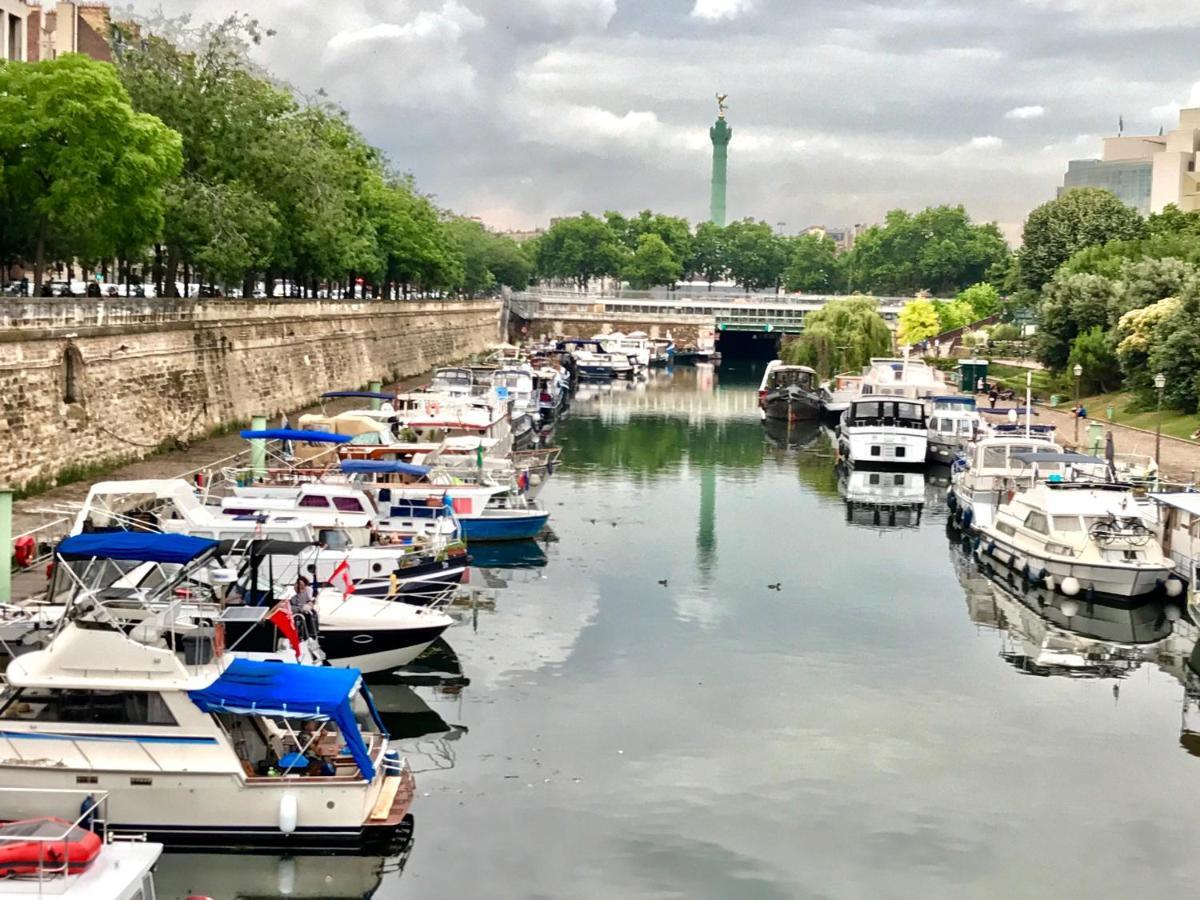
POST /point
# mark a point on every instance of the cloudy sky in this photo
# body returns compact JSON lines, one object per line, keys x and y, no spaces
{"x":519,"y":110}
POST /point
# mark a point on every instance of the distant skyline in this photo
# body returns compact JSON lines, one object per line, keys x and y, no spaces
{"x":517,"y":111}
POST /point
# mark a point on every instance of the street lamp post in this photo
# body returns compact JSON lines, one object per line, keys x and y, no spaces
{"x":1078,"y":375}
{"x":1160,"y":382}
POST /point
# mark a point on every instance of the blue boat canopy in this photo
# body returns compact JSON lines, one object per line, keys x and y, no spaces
{"x":256,"y":688}
{"x":366,"y":395}
{"x":1020,"y":411}
{"x":965,"y":401}
{"x":296,"y":434}
{"x":140,"y":546}
{"x":382,"y":467}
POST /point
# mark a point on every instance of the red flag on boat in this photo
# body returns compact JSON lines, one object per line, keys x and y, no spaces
{"x":281,"y":618}
{"x":343,"y":569}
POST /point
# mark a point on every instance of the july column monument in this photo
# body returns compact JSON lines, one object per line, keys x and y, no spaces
{"x":720,"y":133}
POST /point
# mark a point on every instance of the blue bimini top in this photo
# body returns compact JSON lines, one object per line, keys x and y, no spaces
{"x":256,"y":688}
{"x":140,"y":546}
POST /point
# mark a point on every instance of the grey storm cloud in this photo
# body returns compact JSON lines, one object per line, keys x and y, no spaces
{"x":519,"y":110}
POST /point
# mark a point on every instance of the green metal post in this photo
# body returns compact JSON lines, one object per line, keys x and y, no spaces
{"x":375,"y":387}
{"x":6,"y":545}
{"x":720,"y":133}
{"x":258,"y":448}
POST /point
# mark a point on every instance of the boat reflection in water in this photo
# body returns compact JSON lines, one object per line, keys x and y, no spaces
{"x":1050,"y":634}
{"x":260,"y":876}
{"x":784,"y":434}
{"x":528,"y":554}
{"x":882,"y":499}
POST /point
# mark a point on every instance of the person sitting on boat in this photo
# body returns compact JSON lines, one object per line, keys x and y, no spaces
{"x":303,"y":601}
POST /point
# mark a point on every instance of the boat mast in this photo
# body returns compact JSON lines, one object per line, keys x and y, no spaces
{"x":1028,"y":402}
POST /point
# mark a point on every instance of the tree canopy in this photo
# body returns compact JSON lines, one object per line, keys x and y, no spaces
{"x":813,"y":265}
{"x":83,"y":174}
{"x":841,"y":336}
{"x":1081,"y":218}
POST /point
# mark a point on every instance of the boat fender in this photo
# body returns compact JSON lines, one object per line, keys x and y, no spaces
{"x":1070,"y":586}
{"x":1174,"y":587}
{"x":968,"y":516}
{"x":951,"y":500}
{"x":87,"y":811}
{"x":991,"y":548}
{"x":1025,"y":572}
{"x":1049,"y":582}
{"x":392,"y":764}
{"x":287,"y":876}
{"x":289,"y":812}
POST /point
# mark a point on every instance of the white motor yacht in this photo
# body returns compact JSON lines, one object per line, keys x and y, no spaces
{"x":1078,"y":536}
{"x":953,"y":423}
{"x":195,"y":746}
{"x":995,"y":468}
{"x":885,"y":431}
{"x":913,"y":379}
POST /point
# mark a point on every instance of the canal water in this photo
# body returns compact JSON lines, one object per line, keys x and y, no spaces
{"x":731,"y":672}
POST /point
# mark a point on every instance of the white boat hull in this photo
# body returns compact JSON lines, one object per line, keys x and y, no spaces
{"x":1113,"y":578}
{"x":883,"y":445}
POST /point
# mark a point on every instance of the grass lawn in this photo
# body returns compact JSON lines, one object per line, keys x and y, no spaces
{"x":1124,"y":412}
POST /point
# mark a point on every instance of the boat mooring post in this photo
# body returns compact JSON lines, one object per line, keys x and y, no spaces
{"x":375,"y":387}
{"x":258,"y":448}
{"x":6,"y":544}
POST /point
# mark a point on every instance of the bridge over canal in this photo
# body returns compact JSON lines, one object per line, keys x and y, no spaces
{"x":688,"y":317}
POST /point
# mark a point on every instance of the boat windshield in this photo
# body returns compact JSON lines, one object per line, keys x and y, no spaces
{"x":787,"y":377}
{"x":889,"y":412}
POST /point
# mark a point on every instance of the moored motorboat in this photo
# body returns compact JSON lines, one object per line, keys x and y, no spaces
{"x":953,"y":423}
{"x":789,"y":393}
{"x":1078,"y":536}
{"x":883,"y":431}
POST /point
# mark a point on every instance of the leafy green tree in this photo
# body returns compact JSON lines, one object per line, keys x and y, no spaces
{"x":841,"y":336}
{"x":86,"y":171}
{"x":1005,"y":332}
{"x":580,"y":248}
{"x":652,"y":263}
{"x":983,"y":298}
{"x":508,"y":263}
{"x":1080,"y":218}
{"x":675,"y":232}
{"x":918,"y":322}
{"x":755,"y":255}
{"x":1093,"y":350}
{"x":812,"y":265}
{"x":939,"y":249}
{"x":954,"y":314}
{"x":1071,"y":304}
{"x":475,"y":247}
{"x":709,"y":259}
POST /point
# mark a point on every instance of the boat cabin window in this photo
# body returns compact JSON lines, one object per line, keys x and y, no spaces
{"x":334,"y":539}
{"x":1066,"y":523}
{"x":348,"y":504}
{"x":91,"y":707}
{"x":1036,"y":521}
{"x":314,"y":501}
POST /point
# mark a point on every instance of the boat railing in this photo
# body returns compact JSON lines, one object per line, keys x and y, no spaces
{"x":51,"y":858}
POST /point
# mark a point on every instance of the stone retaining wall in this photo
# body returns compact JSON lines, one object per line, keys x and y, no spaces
{"x":95,"y":383}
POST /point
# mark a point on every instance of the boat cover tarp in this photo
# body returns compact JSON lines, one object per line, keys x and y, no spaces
{"x":366,"y":395}
{"x":253,"y":687}
{"x":382,"y":467}
{"x":1001,"y":411}
{"x":1049,"y":456}
{"x":140,"y":546}
{"x":296,"y":434}
{"x":1188,"y":501}
{"x":965,"y":401}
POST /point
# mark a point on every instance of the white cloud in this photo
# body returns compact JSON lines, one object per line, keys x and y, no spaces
{"x":716,"y":10}
{"x":1026,"y":112}
{"x":985,"y":142}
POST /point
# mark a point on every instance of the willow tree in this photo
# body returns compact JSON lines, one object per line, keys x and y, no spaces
{"x":841,"y":336}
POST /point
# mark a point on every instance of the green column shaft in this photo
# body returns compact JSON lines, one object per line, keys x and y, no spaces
{"x":258,"y":448}
{"x":376,"y":387}
{"x":6,"y":545}
{"x":720,"y":134}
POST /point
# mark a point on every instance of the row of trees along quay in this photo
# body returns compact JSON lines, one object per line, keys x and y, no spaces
{"x":183,"y":160}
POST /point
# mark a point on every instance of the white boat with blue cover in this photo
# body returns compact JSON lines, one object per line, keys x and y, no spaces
{"x":953,"y":423}
{"x":198,"y":748}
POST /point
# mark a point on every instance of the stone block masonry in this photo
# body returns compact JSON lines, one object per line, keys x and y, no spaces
{"x":85,"y":384}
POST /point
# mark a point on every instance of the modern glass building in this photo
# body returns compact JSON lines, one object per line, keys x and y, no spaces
{"x":1129,"y":179}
